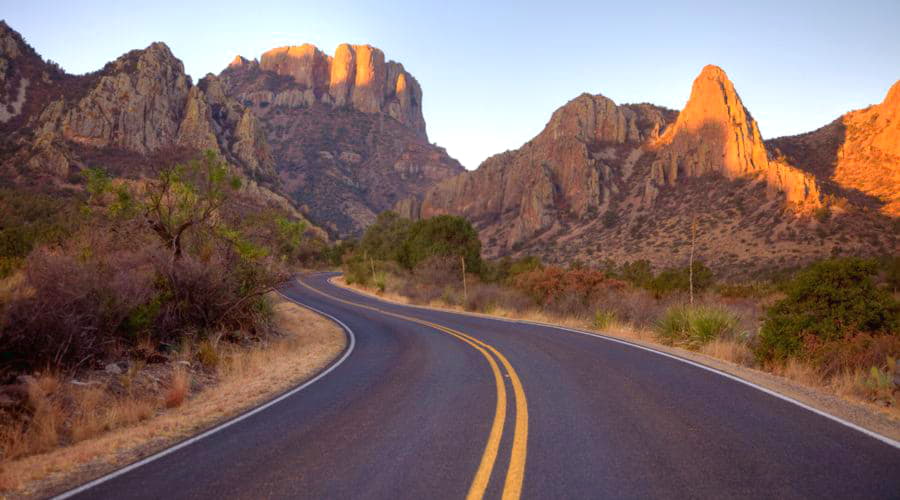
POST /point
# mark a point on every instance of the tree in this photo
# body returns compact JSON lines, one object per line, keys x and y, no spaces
{"x":188,"y":195}
{"x":442,"y":236}
{"x":384,"y":239}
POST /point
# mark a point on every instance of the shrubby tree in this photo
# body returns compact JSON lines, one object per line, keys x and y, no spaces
{"x":829,"y":301}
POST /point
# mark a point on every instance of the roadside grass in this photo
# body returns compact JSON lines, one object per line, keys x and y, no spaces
{"x":695,"y":326}
{"x":98,"y":424}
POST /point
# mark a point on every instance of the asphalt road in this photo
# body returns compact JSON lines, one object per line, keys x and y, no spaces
{"x":433,"y":404}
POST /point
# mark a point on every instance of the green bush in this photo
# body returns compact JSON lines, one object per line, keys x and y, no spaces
{"x":695,"y":326}
{"x":603,"y":319}
{"x":444,"y":235}
{"x":829,"y":301}
{"x":679,"y":279}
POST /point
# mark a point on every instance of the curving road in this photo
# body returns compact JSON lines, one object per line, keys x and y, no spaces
{"x":432,"y":404}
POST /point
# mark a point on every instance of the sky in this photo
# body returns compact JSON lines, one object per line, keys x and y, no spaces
{"x":492,"y":73}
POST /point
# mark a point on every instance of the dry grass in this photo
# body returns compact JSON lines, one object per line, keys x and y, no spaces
{"x":105,"y":433}
{"x":733,"y":351}
{"x":178,"y":388}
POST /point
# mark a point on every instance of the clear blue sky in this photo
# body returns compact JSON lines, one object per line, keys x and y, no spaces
{"x":493,"y":73}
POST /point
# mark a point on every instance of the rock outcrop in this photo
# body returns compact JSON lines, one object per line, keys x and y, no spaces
{"x":573,"y":168}
{"x":624,"y":182}
{"x":136,"y":113}
{"x":346,"y":132}
{"x":856,"y":156}
{"x":715,"y":133}
{"x":357,"y":77}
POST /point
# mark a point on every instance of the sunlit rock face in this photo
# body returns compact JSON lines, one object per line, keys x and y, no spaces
{"x":357,"y":76}
{"x":346,"y":131}
{"x":857,"y":155}
{"x":715,"y":133}
{"x":625,"y":183}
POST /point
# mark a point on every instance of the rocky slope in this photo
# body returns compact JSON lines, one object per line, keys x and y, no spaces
{"x":136,"y":113}
{"x":346,"y":131}
{"x":856,"y":156}
{"x":624,"y":182}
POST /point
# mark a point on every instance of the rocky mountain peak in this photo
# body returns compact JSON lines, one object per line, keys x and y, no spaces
{"x":10,"y":42}
{"x":715,"y":133}
{"x":892,"y":99}
{"x":357,"y":76}
{"x":240,"y":62}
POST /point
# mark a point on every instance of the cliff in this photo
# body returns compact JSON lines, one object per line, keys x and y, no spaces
{"x":347,"y":132}
{"x":625,"y":182}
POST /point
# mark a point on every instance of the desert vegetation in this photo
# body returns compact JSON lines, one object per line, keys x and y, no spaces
{"x":118,"y":300}
{"x":832,"y":324}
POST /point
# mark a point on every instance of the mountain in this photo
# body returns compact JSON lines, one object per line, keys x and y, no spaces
{"x":856,"y":156}
{"x":136,"y":113}
{"x":625,"y":182}
{"x":346,"y":131}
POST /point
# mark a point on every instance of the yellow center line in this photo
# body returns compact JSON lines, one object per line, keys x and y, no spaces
{"x":515,"y":474}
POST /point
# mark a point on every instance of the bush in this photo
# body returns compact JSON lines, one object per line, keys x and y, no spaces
{"x":679,"y":279}
{"x":166,"y":267}
{"x":695,"y":326}
{"x":555,"y":286}
{"x":829,"y":301}
{"x":444,"y":235}
{"x":604,"y":319}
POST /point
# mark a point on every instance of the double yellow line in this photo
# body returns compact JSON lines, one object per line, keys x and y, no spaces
{"x":515,"y":473}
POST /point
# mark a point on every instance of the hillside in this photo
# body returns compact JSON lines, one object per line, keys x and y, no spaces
{"x":346,"y":131}
{"x":857,"y":156}
{"x":624,"y":182}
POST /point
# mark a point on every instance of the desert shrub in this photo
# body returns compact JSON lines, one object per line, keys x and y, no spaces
{"x":604,"y":319}
{"x":822,"y":214}
{"x":638,"y":273}
{"x":558,"y":287}
{"x":380,"y":281}
{"x":383,"y":240}
{"x":829,"y":301}
{"x":488,"y":297}
{"x":879,"y":383}
{"x":891,"y":271}
{"x":695,"y":326}
{"x":861,"y":350}
{"x":679,"y":279}
{"x":31,"y":219}
{"x":333,"y":255}
{"x":357,"y":269}
{"x":440,"y":271}
{"x":506,"y":269}
{"x":158,"y":267}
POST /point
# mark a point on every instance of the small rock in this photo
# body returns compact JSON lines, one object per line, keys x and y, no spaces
{"x":114,"y":369}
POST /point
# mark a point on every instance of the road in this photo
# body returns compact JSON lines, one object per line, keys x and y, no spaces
{"x":432,"y":404}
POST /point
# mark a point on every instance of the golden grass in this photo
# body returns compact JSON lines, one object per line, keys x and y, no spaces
{"x":729,"y":350}
{"x":178,"y":389}
{"x":108,"y":432}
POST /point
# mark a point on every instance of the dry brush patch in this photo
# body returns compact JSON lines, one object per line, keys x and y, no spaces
{"x":86,"y":429}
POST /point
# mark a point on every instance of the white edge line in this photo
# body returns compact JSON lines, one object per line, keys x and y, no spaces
{"x":882,"y":438}
{"x":229,"y":423}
